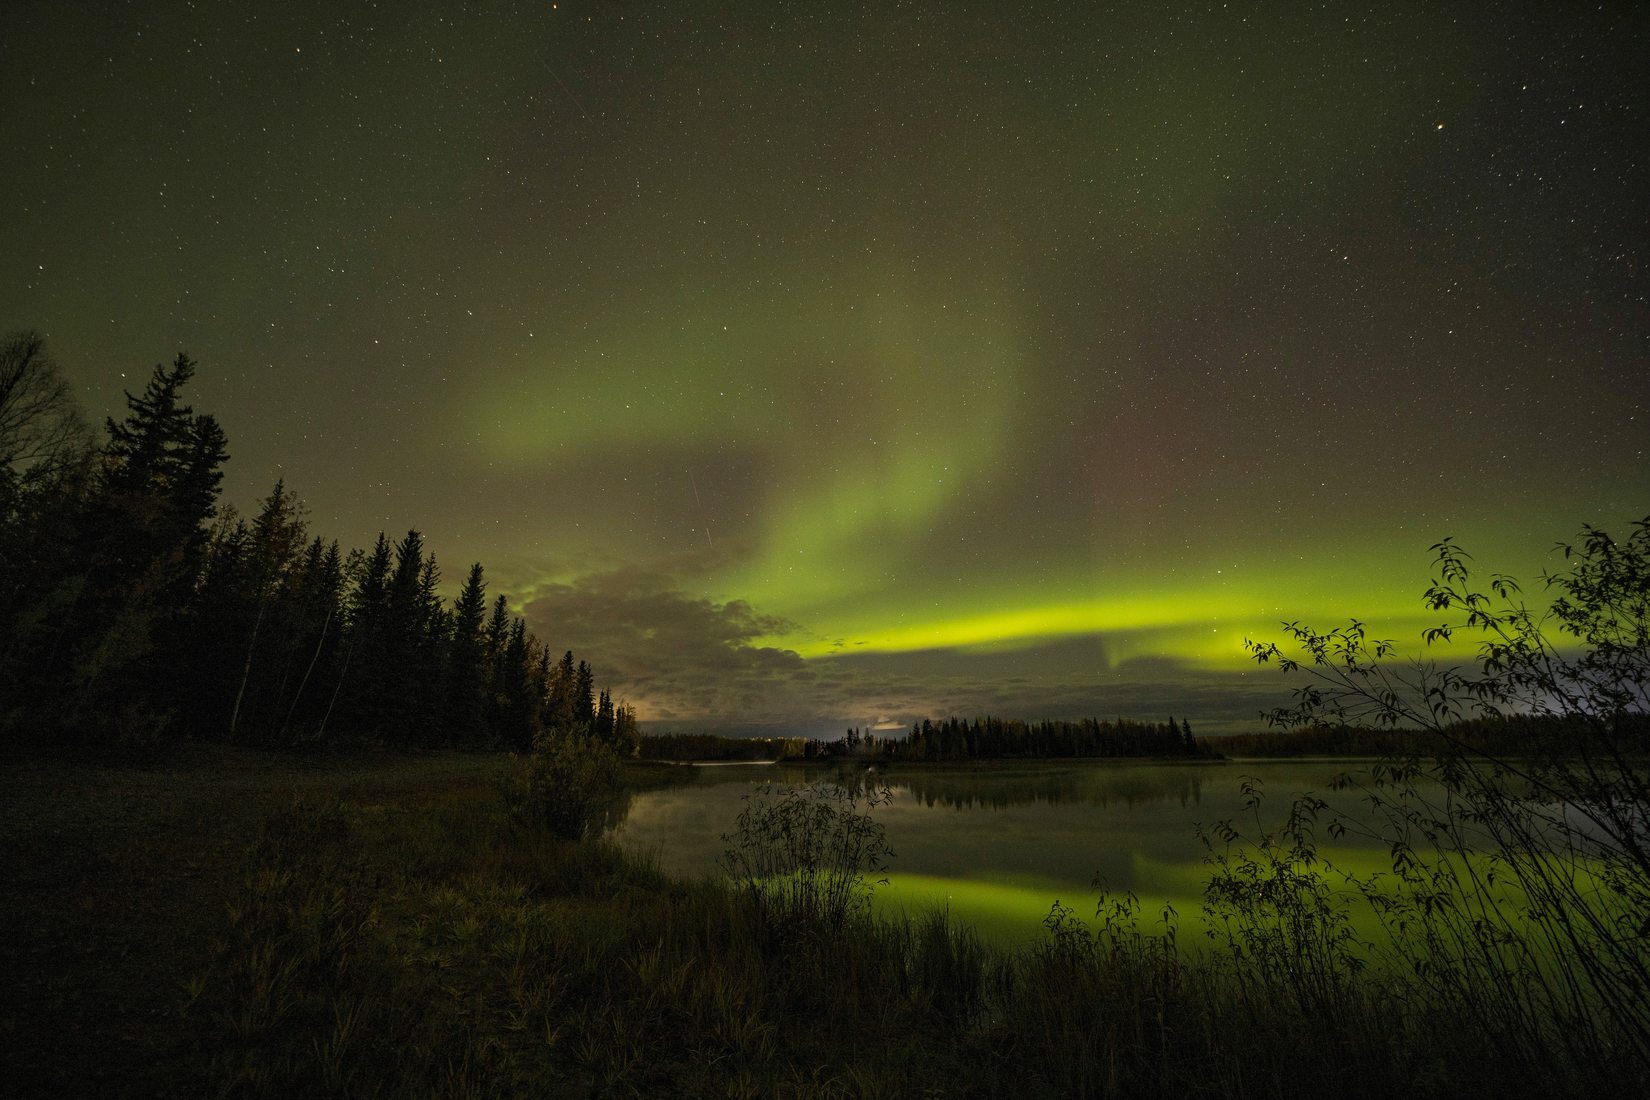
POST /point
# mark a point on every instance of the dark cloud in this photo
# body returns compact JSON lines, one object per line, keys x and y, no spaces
{"x":676,"y":656}
{"x":691,"y":663}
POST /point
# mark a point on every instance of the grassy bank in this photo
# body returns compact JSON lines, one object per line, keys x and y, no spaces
{"x":248,"y":925}
{"x":118,"y":879}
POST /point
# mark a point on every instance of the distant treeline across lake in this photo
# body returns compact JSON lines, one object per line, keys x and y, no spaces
{"x":947,"y":739}
{"x":953,"y":739}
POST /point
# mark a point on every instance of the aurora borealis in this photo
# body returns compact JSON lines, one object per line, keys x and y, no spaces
{"x":808,"y":364}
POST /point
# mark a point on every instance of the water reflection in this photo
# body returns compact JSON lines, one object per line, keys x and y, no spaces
{"x":1123,"y":785}
{"x":1000,"y":841}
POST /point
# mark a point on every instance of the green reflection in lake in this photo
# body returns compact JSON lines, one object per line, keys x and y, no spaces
{"x":999,"y":842}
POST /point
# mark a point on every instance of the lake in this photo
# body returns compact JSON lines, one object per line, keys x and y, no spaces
{"x":999,"y":842}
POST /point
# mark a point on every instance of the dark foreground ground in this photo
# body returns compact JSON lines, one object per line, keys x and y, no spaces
{"x":117,"y":881}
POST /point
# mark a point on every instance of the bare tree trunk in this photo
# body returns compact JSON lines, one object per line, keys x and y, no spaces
{"x":299,"y":694}
{"x":336,"y":689}
{"x":246,"y":669}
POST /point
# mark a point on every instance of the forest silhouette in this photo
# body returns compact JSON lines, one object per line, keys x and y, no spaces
{"x":138,"y":608}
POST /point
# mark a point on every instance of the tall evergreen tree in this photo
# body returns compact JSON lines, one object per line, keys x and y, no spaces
{"x":495,"y":637}
{"x":277,"y":537}
{"x":142,"y":534}
{"x":404,"y":646}
{"x":358,"y":693}
{"x":464,"y":708}
{"x":627,"y":736}
{"x":498,"y":629}
{"x":319,"y":622}
{"x":584,"y":694}
{"x":544,"y":673}
{"x":561,"y":712}
{"x":162,"y":468}
{"x":372,"y":587}
{"x":604,"y":717}
{"x":515,"y":689}
{"x":216,"y":627}
{"x":429,"y":655}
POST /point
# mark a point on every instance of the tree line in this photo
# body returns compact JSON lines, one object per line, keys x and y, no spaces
{"x":134,"y":607}
{"x":1509,"y":736}
{"x":949,"y":739}
{"x":710,"y":746}
{"x":1000,"y":738}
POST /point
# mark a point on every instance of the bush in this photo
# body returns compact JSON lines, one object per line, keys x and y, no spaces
{"x":803,"y":853}
{"x":1518,"y":897}
{"x":1279,"y":912}
{"x":566,"y":783}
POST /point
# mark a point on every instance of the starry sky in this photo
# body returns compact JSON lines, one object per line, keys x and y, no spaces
{"x":815,"y":364}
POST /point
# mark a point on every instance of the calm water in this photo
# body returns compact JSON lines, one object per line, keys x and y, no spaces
{"x":999,"y":843}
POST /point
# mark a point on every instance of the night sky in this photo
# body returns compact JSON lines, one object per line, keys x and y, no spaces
{"x":814,"y":364}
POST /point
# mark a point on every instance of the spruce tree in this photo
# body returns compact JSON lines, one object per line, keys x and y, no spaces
{"x":162,"y":467}
{"x":517,"y":703}
{"x":429,"y":655}
{"x":544,"y":674}
{"x":138,"y":554}
{"x":277,"y":536}
{"x":627,"y":736}
{"x":494,"y":638}
{"x":215,"y":628}
{"x":358,"y":693}
{"x":604,"y":717}
{"x":464,"y":705}
{"x":405,"y":626}
{"x":561,"y":712}
{"x":584,"y":694}
{"x":319,"y":619}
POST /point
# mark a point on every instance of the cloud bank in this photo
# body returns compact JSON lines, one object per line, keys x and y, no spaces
{"x":689,"y":663}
